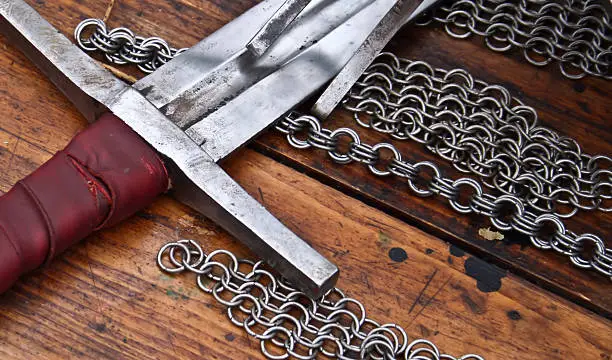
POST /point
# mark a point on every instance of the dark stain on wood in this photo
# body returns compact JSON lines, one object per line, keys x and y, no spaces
{"x":99,"y":327}
{"x":514,"y":315}
{"x":488,"y":277}
{"x":424,"y":331}
{"x":584,"y":106}
{"x":398,"y":254}
{"x":150,"y":216}
{"x":456,"y":251}
{"x":579,"y":87}
{"x":516,"y":238}
{"x":473,"y":304}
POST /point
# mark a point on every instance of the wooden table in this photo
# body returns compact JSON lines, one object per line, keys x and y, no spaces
{"x":106,"y":299}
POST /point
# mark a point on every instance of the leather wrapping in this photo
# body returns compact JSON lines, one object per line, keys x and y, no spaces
{"x":104,"y":175}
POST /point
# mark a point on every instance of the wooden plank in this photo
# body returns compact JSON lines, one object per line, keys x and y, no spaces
{"x":106,"y":299}
{"x":558,"y":101}
{"x":560,"y":104}
{"x":578,"y":108}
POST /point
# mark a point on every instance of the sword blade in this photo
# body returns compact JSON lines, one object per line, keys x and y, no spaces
{"x":272,"y":29}
{"x":229,"y":102}
{"x":185,"y":71}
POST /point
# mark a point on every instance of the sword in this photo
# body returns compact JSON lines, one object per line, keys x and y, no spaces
{"x":171,"y":128}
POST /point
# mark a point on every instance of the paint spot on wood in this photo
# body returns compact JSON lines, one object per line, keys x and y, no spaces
{"x":456,"y":251}
{"x":429,"y":251}
{"x":514,"y":315}
{"x":488,"y":277}
{"x":229,"y":337}
{"x":398,"y":255}
{"x":173,"y":294}
{"x":449,"y":259}
{"x":383,"y":239}
{"x":490,"y":235}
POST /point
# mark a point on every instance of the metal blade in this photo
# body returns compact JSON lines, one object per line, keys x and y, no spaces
{"x":213,"y":84}
{"x":185,"y":71}
{"x":198,"y":180}
{"x":245,"y":116}
{"x":247,"y":95}
{"x":272,"y":29}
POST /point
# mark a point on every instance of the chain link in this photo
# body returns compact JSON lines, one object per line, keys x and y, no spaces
{"x":120,"y":46}
{"x":506,"y":212}
{"x":577,"y":35}
{"x":481,"y":129}
{"x":287,"y":323}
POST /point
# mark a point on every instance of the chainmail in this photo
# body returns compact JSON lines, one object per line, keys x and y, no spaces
{"x":576,"y":34}
{"x":528,"y":201}
{"x":506,"y":212}
{"x":121,"y":46}
{"x":287,"y":323}
{"x":482,"y":130}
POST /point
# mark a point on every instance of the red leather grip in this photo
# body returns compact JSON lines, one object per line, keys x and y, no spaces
{"x":103,"y":176}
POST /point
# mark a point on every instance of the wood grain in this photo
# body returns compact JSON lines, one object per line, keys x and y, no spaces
{"x":106,"y":299}
{"x":560,"y":104}
{"x":580,"y":109}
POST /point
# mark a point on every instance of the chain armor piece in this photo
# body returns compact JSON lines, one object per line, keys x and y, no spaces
{"x":482,"y":130}
{"x":576,"y":34}
{"x":520,"y":219}
{"x":288,"y":323}
{"x":120,"y":46}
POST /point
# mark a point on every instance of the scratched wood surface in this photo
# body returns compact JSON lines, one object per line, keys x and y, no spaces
{"x":105,"y":298}
{"x":580,"y":109}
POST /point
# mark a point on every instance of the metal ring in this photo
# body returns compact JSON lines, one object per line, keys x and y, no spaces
{"x":186,"y":257}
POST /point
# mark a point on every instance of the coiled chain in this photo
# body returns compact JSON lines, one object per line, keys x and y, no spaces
{"x":121,"y":46}
{"x":482,"y":130}
{"x":575,"y":34}
{"x":287,"y":323}
{"x":506,"y":212}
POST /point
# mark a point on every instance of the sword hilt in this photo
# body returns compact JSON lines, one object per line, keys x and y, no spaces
{"x":104,"y":175}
